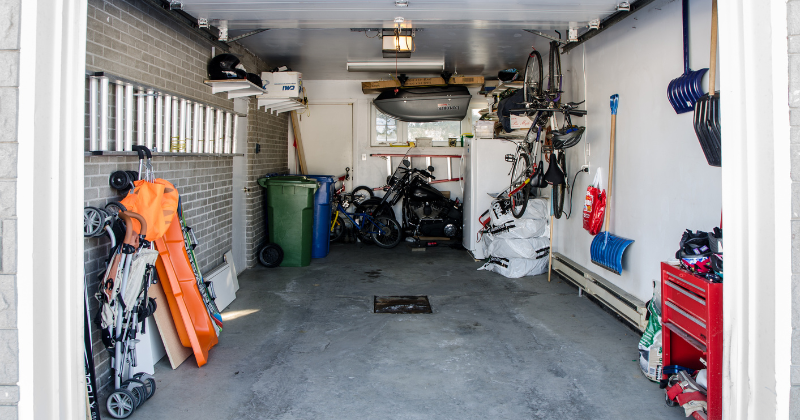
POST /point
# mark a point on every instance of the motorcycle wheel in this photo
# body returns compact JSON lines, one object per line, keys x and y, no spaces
{"x":387,"y":236}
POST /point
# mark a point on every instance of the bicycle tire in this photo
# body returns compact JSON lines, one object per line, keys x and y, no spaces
{"x":554,"y":67}
{"x":388,"y":239}
{"x":361,"y":194}
{"x":532,"y":79}
{"x":337,"y":227}
{"x":520,"y":171}
{"x":559,"y":191}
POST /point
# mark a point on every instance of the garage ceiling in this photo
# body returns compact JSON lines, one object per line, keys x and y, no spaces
{"x":474,"y":37}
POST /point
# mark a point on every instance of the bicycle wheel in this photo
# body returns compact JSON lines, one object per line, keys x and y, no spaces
{"x":554,"y":67}
{"x":532,"y":80}
{"x":387,"y":235}
{"x":520,"y":171}
{"x":337,"y":227}
{"x":559,"y":191}
{"x":361,"y":194}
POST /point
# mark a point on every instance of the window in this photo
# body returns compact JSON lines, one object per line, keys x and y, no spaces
{"x":387,"y":130}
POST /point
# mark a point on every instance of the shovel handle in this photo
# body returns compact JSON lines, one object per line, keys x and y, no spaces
{"x":685,"y":19}
{"x":712,"y":77}
{"x":614,"y":105}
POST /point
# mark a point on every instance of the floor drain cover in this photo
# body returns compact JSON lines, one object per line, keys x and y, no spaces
{"x":402,"y":305}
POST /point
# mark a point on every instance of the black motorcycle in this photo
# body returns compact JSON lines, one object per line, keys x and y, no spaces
{"x":425,"y":210}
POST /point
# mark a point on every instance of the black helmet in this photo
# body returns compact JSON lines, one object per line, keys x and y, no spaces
{"x":223,"y":67}
{"x":255,"y":79}
{"x":567,"y":137}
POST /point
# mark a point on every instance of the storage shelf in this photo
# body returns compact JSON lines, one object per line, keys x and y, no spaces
{"x":238,"y":88}
{"x":279,"y":105}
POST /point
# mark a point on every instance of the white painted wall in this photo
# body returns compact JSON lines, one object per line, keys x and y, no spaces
{"x":372,"y":172}
{"x":662,"y":183}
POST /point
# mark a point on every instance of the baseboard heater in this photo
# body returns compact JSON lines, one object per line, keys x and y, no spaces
{"x":628,"y":307}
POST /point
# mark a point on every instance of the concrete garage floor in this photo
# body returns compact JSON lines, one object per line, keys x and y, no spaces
{"x":303,"y":343}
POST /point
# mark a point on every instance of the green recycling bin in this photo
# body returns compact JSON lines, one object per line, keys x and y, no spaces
{"x":290,"y":215}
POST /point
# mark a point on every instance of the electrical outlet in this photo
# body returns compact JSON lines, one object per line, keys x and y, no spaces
{"x":363,"y":156}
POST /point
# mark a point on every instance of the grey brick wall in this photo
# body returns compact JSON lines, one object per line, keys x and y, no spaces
{"x":269,"y":131}
{"x":133,"y":40}
{"x":9,"y":93}
{"x":793,"y":15}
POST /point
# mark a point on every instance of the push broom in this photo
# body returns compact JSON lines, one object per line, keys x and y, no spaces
{"x":607,"y":249}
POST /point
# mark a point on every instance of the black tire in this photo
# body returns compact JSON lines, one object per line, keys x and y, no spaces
{"x":149,"y":382}
{"x":361,"y":194}
{"x":120,"y":180}
{"x":370,"y":206}
{"x":115,"y":207}
{"x":139,"y":390}
{"x":532,"y":80}
{"x":270,"y":255}
{"x":520,"y":171}
{"x":387,"y":236}
{"x":337,"y":227}
{"x":121,"y":404}
{"x":555,"y":71}
{"x":559,"y":191}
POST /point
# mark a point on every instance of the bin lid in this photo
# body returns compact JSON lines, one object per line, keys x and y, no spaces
{"x":263,"y":180}
{"x":295,"y":181}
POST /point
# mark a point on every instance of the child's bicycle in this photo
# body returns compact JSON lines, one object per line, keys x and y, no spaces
{"x":360,"y":193}
{"x":384,"y":231}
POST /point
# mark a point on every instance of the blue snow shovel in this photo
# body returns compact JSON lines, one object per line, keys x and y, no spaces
{"x":607,"y":249}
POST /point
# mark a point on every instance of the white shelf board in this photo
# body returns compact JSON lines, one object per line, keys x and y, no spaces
{"x":279,"y":105}
{"x":236,"y":88}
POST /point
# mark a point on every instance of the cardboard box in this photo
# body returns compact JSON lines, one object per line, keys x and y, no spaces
{"x":282,"y":84}
{"x":466,"y":80}
{"x":382,"y":84}
{"x":520,"y":121}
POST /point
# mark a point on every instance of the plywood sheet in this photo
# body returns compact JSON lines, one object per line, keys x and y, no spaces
{"x":176,"y":352}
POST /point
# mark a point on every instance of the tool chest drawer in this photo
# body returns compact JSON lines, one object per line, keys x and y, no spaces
{"x":691,"y":316}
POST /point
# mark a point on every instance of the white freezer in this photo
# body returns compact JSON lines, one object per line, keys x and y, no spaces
{"x":485,"y":172}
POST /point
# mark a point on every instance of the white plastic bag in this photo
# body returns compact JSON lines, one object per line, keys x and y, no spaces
{"x":500,"y":212}
{"x":516,"y":267}
{"x":531,"y":248}
{"x":520,"y":229}
{"x":538,"y":208}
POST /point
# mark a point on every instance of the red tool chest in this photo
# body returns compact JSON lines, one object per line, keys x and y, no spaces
{"x":691,"y":318}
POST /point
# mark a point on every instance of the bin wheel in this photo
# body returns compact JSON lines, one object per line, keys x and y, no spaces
{"x":121,"y":404}
{"x":270,"y":256}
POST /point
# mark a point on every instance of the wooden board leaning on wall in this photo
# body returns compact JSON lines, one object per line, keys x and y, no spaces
{"x":378,"y":86}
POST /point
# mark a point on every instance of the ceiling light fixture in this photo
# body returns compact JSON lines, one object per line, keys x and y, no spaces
{"x":419,"y":66}
{"x":401,"y":3}
{"x":399,"y":19}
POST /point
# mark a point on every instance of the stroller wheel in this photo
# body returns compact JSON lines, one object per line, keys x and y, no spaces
{"x":137,"y":388}
{"x":120,"y":180}
{"x":121,"y":404}
{"x":93,"y":219}
{"x":149,"y":383}
{"x":270,"y":256}
{"x":115,"y":207}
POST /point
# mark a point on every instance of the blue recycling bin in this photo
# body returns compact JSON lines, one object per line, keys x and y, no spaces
{"x":321,"y":235}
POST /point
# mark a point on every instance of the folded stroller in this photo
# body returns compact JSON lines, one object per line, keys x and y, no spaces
{"x":124,"y":305}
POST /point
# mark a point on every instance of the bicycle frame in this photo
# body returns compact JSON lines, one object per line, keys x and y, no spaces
{"x":365,"y":217}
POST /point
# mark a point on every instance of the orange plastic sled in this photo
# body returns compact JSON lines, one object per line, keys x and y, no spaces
{"x":194,"y":325}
